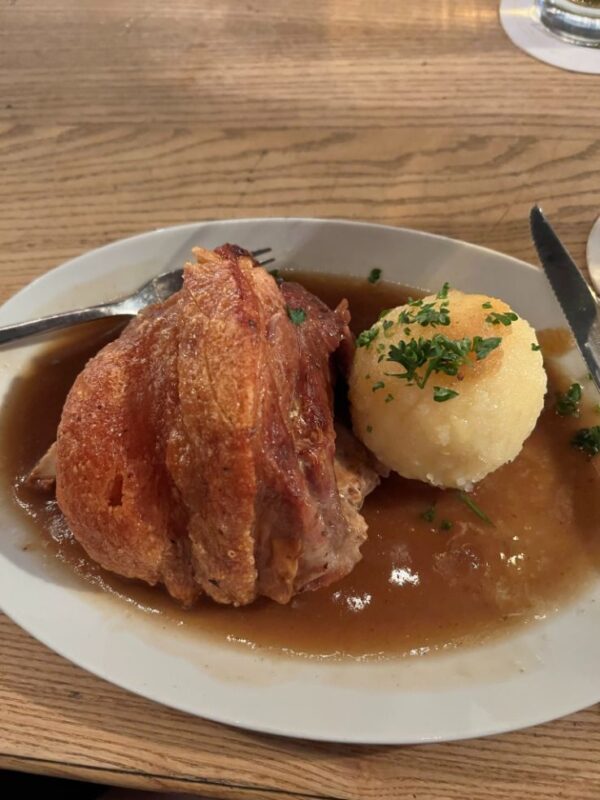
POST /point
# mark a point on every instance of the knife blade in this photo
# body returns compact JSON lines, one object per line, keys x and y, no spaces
{"x":577,"y":300}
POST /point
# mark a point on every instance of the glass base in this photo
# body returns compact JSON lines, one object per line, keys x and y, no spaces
{"x":577,"y":27}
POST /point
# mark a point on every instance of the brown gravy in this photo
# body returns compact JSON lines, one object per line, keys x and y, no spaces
{"x":419,"y":587}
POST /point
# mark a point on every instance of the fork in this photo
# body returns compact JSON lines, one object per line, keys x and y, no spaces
{"x":155,"y":290}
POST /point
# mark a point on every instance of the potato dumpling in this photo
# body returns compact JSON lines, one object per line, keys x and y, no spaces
{"x":446,"y":389}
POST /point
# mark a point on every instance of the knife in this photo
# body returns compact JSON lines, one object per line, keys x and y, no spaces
{"x":579,"y":303}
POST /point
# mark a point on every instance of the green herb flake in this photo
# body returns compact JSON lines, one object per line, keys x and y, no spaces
{"x":424,"y":314}
{"x":486,"y":305}
{"x":387,"y":325}
{"x":369,"y":429}
{"x":275,"y":273}
{"x":378,"y":385}
{"x":389,"y":398}
{"x":590,"y":377}
{"x":297,"y":315}
{"x":535,"y":347}
{"x":407,"y":331}
{"x":470,"y":503}
{"x":383,"y":313}
{"x":588,"y":440}
{"x":365,"y":338}
{"x":438,"y":355}
{"x":483,"y":347}
{"x":422,"y":358}
{"x":428,"y":314}
{"x":443,"y":292}
{"x":446,"y":525}
{"x":499,"y":318}
{"x":429,"y":514}
{"x":374,"y":275}
{"x":441,"y":394}
{"x":567,"y":403}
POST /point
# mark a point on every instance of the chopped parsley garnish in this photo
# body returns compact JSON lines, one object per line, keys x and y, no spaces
{"x":369,"y":429}
{"x":443,"y":292}
{"x":441,"y":394}
{"x":483,"y":347}
{"x":378,"y":385}
{"x":567,"y":403}
{"x":365,"y":338}
{"x":535,"y":347}
{"x":445,"y":525}
{"x":499,"y":318}
{"x":429,"y":514}
{"x":439,"y":353}
{"x":425,"y":314}
{"x":470,"y":503}
{"x":588,"y":440}
{"x":415,"y":303}
{"x":384,"y":312}
{"x":297,"y":315}
{"x":374,"y":275}
{"x":389,"y":398}
{"x":436,"y":355}
{"x":428,"y":314}
{"x":486,"y":305}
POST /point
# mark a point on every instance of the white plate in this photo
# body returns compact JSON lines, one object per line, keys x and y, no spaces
{"x":543,"y":671}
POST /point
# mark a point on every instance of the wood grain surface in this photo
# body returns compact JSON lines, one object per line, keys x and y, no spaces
{"x":124,"y":115}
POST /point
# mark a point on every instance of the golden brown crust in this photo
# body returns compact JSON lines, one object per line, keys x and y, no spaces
{"x":198,"y":449}
{"x":210,"y":452}
{"x":118,"y":502}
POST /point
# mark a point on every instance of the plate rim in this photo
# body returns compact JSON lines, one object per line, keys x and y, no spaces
{"x":63,"y":266}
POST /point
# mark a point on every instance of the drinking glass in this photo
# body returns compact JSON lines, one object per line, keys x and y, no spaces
{"x":577,"y":21}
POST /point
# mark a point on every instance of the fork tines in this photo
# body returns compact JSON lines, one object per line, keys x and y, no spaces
{"x":261,"y":252}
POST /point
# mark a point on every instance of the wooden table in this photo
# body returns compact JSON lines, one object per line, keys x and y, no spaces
{"x":124,"y":115}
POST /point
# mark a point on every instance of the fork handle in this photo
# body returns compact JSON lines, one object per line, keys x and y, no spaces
{"x":54,"y":322}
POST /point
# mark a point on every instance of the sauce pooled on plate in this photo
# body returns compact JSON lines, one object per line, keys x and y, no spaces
{"x":434,"y":573}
